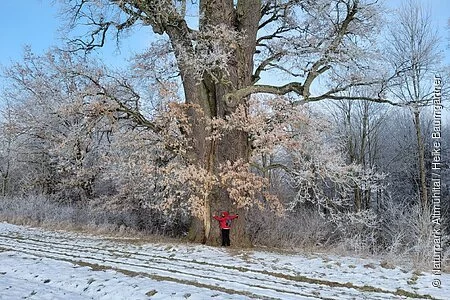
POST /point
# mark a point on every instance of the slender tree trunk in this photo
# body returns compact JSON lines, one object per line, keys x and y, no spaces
{"x":421,"y":160}
{"x":362,"y":153}
{"x":4,"y":184}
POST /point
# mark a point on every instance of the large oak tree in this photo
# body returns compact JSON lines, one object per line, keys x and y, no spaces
{"x":227,"y":50}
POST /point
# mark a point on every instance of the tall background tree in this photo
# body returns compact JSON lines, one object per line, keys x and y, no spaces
{"x":413,"y":51}
{"x":359,"y":124}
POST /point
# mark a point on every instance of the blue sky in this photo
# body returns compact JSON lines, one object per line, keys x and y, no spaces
{"x":36,"y":23}
{"x":25,"y":22}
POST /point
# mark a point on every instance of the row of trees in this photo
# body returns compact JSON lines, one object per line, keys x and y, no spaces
{"x":192,"y":126}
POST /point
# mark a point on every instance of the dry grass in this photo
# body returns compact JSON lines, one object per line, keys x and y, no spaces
{"x":38,"y":211}
{"x":303,"y":230}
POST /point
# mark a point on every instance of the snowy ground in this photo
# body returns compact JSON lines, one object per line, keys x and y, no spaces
{"x":41,"y":264}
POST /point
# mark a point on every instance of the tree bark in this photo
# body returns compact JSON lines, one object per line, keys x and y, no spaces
{"x":209,"y":94}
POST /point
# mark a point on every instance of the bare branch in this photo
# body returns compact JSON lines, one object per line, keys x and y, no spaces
{"x":264,"y":64}
{"x":233,"y":99}
{"x":131,"y":112}
{"x":161,"y":15}
{"x":355,"y":98}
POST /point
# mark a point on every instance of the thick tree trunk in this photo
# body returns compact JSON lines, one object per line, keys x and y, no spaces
{"x":209,"y":94}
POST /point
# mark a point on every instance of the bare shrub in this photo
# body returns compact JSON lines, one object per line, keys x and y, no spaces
{"x":35,"y":209}
{"x":407,"y":234}
{"x":304,"y":229}
{"x":356,"y":232}
{"x":40,"y":210}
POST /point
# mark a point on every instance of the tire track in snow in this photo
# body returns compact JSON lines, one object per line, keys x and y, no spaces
{"x":169,"y":260}
{"x":272,"y":280}
{"x":257,"y":290}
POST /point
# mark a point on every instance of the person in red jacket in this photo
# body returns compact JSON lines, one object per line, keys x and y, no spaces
{"x":225,"y":225}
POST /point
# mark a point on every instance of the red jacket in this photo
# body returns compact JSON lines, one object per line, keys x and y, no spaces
{"x":224,"y":218}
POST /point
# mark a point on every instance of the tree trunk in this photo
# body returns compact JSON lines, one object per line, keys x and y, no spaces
{"x":421,"y":159}
{"x":209,"y":95}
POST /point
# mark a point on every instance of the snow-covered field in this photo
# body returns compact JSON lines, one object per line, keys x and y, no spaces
{"x":42,"y":264}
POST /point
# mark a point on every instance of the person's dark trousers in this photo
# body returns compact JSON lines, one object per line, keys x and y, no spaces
{"x":225,"y":237}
